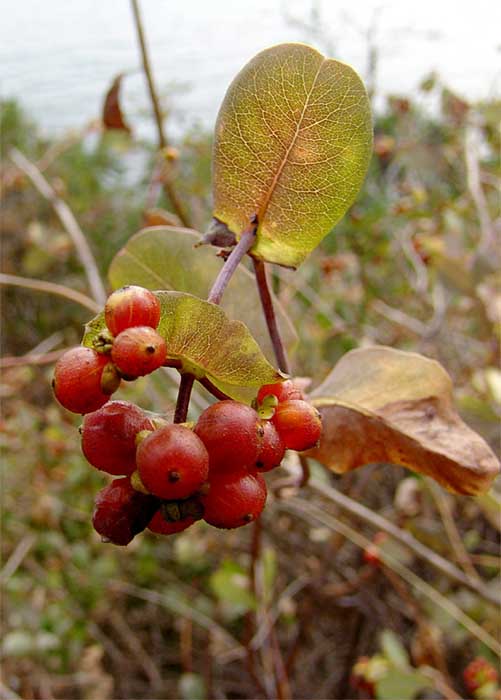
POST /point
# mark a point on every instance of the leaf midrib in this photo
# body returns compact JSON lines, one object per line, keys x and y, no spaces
{"x":264,"y":206}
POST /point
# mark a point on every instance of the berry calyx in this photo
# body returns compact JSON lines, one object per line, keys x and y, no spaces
{"x":138,"y":351}
{"x":229,"y":431}
{"x":298,"y":423}
{"x":131,"y":306}
{"x":77,"y":380}
{"x":284,"y":391}
{"x":109,"y":436}
{"x":271,"y":448}
{"x":121,"y":512}
{"x":234,"y":499}
{"x":160,"y":526}
{"x":172,"y":462}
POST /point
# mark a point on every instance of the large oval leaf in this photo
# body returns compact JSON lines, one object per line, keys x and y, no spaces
{"x":165,"y":258}
{"x":292,"y":145}
{"x":208,"y":343}
{"x":384,"y":405}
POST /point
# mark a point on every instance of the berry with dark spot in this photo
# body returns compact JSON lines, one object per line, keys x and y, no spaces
{"x":138,"y":351}
{"x":131,"y":306}
{"x":78,"y":378}
{"x":160,"y":526}
{"x":271,"y":448}
{"x":172,"y":462}
{"x":234,"y":499}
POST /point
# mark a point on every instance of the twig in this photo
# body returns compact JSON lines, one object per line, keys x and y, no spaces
{"x":8,"y":694}
{"x":269,"y":314}
{"x":377,"y":521}
{"x":212,"y":389}
{"x":31,"y":359}
{"x":68,"y":221}
{"x":452,"y":533}
{"x":50,"y":288}
{"x":16,"y":558}
{"x":317,"y":515}
{"x":135,"y":647}
{"x":476,"y":191}
{"x":239,"y":251}
{"x":162,"y":140}
{"x":183,"y":397}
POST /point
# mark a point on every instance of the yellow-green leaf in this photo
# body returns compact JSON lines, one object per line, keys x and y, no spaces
{"x":384,"y":405}
{"x":208,"y":343}
{"x":165,"y":258}
{"x":292,"y":144}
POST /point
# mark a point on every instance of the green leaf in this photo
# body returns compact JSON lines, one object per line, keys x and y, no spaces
{"x":230,"y":583}
{"x":394,"y":650}
{"x":401,"y":685}
{"x":165,"y":258}
{"x":385,"y":405}
{"x":292,"y":144}
{"x":208,"y":344}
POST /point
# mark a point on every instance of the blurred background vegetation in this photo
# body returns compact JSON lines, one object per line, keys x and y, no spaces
{"x":414,"y":265}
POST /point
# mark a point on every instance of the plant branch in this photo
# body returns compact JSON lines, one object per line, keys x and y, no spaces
{"x":68,"y":221}
{"x":211,"y":388}
{"x":162,"y":139}
{"x":269,"y":314}
{"x":183,"y":397}
{"x":46,"y":358}
{"x":50,"y":288}
{"x":239,"y":251}
{"x":405,"y":538}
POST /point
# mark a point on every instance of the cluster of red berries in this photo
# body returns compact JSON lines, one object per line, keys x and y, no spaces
{"x":173,"y":474}
{"x":85,"y":378}
{"x":480,"y":674}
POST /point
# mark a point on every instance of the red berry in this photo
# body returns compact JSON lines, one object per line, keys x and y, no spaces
{"x":229,"y":431}
{"x":109,"y":436}
{"x":284,"y":391}
{"x":271,"y":447}
{"x":77,"y":380}
{"x":172,"y":462}
{"x":138,"y":351}
{"x":298,"y":423}
{"x":161,"y":526}
{"x":121,"y":512}
{"x":234,"y":499}
{"x":479,"y":672}
{"x":131,"y":306}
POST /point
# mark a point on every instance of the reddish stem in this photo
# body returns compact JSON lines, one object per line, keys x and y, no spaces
{"x":269,"y":314}
{"x":242,"y":248}
{"x":183,"y":397}
{"x":205,"y":382}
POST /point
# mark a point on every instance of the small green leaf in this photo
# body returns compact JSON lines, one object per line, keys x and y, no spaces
{"x":209,"y":345}
{"x":165,"y":258}
{"x":394,"y":650}
{"x":292,"y":144}
{"x":401,"y":685}
{"x":384,"y":405}
{"x":230,"y":583}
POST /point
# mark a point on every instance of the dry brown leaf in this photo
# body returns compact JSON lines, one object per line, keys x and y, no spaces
{"x":112,"y":111}
{"x":384,"y":405}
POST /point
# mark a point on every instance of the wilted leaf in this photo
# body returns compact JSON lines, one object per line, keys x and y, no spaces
{"x":385,"y":405}
{"x":292,"y":145}
{"x":165,"y":258}
{"x":208,"y":344}
{"x":112,"y":112}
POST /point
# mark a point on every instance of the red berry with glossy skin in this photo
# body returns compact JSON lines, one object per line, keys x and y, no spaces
{"x":234,"y":499}
{"x":77,"y":380}
{"x":160,"y":526}
{"x":479,"y":672}
{"x":121,"y":512}
{"x":138,"y":351}
{"x":109,"y":436}
{"x":284,"y":391}
{"x":229,"y":431}
{"x":172,"y":462}
{"x":271,"y":448}
{"x":298,"y":423}
{"x":131,"y":306}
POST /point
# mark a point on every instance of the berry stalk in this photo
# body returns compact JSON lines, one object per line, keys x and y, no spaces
{"x":269,"y":314}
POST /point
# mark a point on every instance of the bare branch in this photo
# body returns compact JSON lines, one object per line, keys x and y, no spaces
{"x":50,"y":288}
{"x":68,"y":221}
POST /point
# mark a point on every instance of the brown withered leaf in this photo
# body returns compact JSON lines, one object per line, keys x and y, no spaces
{"x":384,"y":405}
{"x":112,"y":112}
